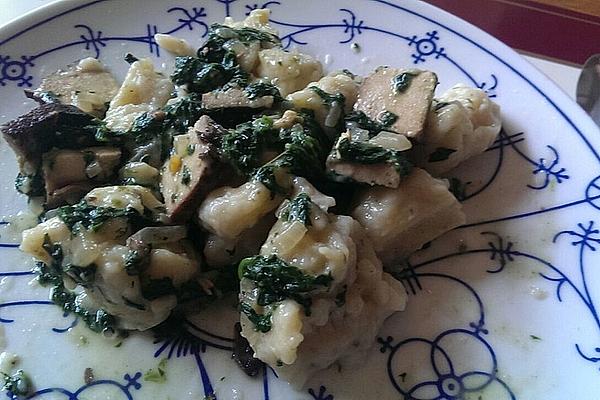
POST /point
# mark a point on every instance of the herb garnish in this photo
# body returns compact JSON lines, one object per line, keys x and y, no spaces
{"x":158,"y":375}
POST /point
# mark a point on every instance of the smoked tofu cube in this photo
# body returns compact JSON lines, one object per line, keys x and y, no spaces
{"x":406,"y":93}
{"x":400,"y":221}
{"x":193,"y":169}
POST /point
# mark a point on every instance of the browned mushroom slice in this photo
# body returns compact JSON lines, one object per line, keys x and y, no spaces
{"x":406,"y":93}
{"x":70,"y":194}
{"x":86,"y":85}
{"x":193,"y":169}
{"x":234,"y":98}
{"x":35,"y":132}
{"x":64,"y":167}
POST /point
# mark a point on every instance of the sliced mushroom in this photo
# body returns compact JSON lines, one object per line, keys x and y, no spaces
{"x":407,"y":93}
{"x":65,"y":167}
{"x":39,"y":130}
{"x":193,"y":170}
{"x":70,"y":194}
{"x":86,"y":85}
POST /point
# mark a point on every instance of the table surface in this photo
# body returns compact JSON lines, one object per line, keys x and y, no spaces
{"x":564,"y":75}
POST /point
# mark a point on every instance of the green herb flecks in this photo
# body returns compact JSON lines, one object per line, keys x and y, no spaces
{"x":440,"y":154}
{"x":298,"y":209}
{"x":276,"y":280}
{"x":401,"y":82}
{"x":190,"y":149}
{"x":18,"y":384}
{"x":186,"y":175}
{"x":158,"y":374}
{"x":534,"y":337}
{"x":366,"y":153}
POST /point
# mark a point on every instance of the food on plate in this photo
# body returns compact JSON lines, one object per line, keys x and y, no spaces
{"x":244,"y":170}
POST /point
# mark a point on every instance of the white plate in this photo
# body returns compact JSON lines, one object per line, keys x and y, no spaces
{"x":503,"y":308}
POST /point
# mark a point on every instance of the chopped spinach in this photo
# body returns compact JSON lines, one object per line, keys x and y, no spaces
{"x":92,"y":217}
{"x":244,"y":145}
{"x":329,"y":99}
{"x":203,"y":77}
{"x":387,"y":118}
{"x":216,"y":66}
{"x":401,"y":82}
{"x":135,"y":261}
{"x":130,"y":58}
{"x":261,"y":89}
{"x":51,"y":274}
{"x":17,"y":384}
{"x":366,"y":153}
{"x":30,"y":185}
{"x":298,"y":209}
{"x":304,"y":154}
{"x":276,"y":280}
{"x":361,"y":120}
{"x":458,"y":188}
{"x":440,"y":154}
{"x":83,"y":276}
{"x":301,"y":148}
{"x":262,"y":323}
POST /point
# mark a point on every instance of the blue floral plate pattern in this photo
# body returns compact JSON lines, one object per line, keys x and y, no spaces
{"x":504,"y":307}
